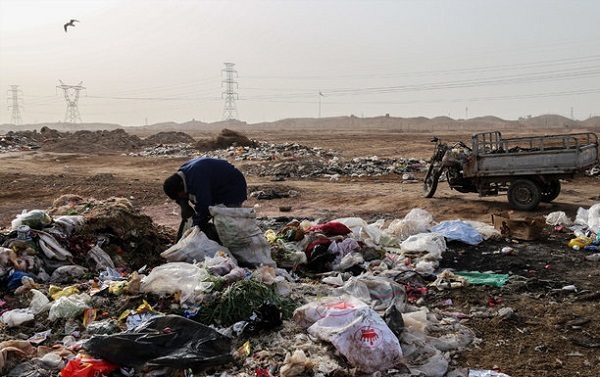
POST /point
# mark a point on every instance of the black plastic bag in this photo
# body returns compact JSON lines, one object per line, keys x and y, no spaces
{"x":171,"y":341}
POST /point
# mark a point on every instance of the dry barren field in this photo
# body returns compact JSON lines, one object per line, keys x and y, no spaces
{"x":552,"y":333}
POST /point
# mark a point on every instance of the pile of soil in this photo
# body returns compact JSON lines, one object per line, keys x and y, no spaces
{"x":117,"y":140}
{"x":227,"y":138}
{"x":172,"y":137}
{"x":95,"y":141}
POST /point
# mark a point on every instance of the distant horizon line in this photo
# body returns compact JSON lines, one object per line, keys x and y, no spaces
{"x":529,"y":117}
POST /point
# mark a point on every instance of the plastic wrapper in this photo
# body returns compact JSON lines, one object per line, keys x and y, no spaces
{"x":17,"y":317}
{"x":416,"y":221}
{"x":69,"y":306}
{"x":171,"y":341}
{"x":355,"y":330}
{"x":478,"y":278}
{"x":485,"y":373}
{"x":458,"y":231}
{"x":378,"y":292}
{"x":99,"y":259}
{"x":35,"y":219}
{"x":194,"y":246}
{"x":239,"y":232}
{"x":593,"y":220}
{"x":429,"y":245}
{"x":39,"y":302}
{"x":558,"y":218}
{"x":87,"y":367}
{"x":486,"y":230}
{"x":68,"y":273}
{"x":187,"y":278}
{"x":69,"y":223}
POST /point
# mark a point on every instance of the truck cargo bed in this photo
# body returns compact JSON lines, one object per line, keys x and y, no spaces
{"x":564,"y":154}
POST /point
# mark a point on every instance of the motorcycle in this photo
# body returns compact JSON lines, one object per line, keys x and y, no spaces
{"x":447,"y":160}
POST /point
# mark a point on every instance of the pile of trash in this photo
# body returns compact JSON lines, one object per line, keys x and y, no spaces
{"x":585,"y":228}
{"x":92,"y":288}
{"x":335,"y":168}
{"x":291,"y":160}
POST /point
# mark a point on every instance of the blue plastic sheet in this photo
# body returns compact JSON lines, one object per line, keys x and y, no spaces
{"x":458,"y":231}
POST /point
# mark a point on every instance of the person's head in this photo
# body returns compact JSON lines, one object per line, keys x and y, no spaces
{"x":173,"y":187}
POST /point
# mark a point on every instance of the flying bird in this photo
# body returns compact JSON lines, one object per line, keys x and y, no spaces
{"x":70,"y":23}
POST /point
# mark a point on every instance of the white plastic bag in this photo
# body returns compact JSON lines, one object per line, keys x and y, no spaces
{"x":487,"y":231}
{"x":558,"y":218}
{"x":416,"y":221}
{"x":17,"y":317}
{"x":355,"y":330}
{"x":69,"y":306}
{"x":239,"y":231}
{"x":430,"y":244}
{"x":194,"y":246}
{"x":581,"y":218}
{"x":39,"y":302}
{"x":187,"y":278}
{"x":593,"y":220}
{"x":379,"y":292}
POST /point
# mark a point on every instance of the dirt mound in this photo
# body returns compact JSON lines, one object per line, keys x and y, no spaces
{"x":96,"y":141}
{"x":227,"y":138}
{"x":172,"y":137}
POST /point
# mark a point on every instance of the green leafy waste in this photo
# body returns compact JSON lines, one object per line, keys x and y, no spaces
{"x":238,"y":301}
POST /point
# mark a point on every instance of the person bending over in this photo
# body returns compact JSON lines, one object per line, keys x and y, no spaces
{"x":205,"y":182}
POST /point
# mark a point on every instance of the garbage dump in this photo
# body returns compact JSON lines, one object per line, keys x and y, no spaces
{"x":93,"y":287}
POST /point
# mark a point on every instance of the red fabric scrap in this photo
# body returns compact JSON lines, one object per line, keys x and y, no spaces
{"x":319,"y":241}
{"x":332,"y":228}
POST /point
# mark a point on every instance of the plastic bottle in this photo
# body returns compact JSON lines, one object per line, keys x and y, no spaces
{"x":580,"y":241}
{"x":591,"y":248}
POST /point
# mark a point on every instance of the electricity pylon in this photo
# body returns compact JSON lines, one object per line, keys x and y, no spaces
{"x":16,"y":112}
{"x":230,"y":110}
{"x":72,"y":97}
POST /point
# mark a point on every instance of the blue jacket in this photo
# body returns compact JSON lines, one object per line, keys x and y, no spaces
{"x":210,"y":181}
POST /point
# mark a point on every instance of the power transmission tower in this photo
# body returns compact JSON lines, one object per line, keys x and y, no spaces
{"x":230,"y":110}
{"x":16,"y":113}
{"x":72,"y":97}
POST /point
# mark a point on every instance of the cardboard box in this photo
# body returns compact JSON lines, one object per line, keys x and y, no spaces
{"x":527,"y":228}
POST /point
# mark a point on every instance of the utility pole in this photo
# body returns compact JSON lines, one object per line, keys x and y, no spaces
{"x":320,"y":95}
{"x":72,"y":97}
{"x":16,"y":113}
{"x":230,"y":110}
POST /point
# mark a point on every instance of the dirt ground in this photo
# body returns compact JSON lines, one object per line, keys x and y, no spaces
{"x":553,"y":332}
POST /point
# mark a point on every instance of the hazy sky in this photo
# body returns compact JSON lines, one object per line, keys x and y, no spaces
{"x":149,"y":61}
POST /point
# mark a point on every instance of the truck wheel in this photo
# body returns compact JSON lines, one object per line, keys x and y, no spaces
{"x":550,"y":191}
{"x":524,"y":195}
{"x":431,"y":179}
